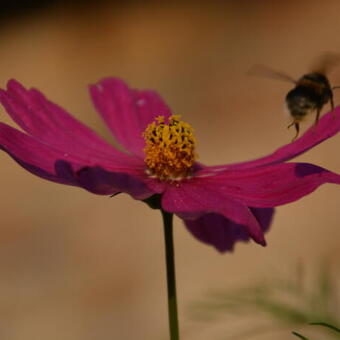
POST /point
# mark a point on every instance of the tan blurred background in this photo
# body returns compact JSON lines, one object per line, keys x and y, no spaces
{"x":76,"y":266}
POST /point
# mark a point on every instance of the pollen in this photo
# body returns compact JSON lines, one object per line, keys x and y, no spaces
{"x":170,"y":148}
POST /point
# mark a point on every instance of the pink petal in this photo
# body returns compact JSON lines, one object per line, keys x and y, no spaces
{"x":127,"y":112}
{"x":222,"y":233}
{"x":34,"y":156}
{"x":52,"y":125}
{"x":328,"y":126}
{"x":270,"y":186}
{"x":61,"y":167}
{"x":191,"y":200}
{"x":99,"y":181}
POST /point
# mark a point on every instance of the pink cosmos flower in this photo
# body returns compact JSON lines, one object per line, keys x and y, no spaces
{"x":218,"y":204}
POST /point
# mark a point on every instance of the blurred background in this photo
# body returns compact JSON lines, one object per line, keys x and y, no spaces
{"x":76,"y":266}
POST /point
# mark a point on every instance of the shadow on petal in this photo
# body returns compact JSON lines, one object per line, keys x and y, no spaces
{"x":306,"y":169}
{"x":222,"y":233}
{"x":100,"y":181}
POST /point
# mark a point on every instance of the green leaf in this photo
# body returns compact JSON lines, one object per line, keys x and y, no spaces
{"x":300,"y":336}
{"x":326,"y":325}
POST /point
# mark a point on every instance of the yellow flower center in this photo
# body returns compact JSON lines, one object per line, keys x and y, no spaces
{"x":170,"y":148}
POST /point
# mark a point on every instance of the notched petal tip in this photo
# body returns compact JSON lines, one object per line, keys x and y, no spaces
{"x":15,"y":84}
{"x":259,"y":238}
{"x":263,"y":242}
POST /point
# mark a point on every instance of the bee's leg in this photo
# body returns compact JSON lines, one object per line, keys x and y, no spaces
{"x":332,"y":103}
{"x":317,"y":116}
{"x":297,"y":128}
{"x":332,"y":106}
{"x":291,"y":124}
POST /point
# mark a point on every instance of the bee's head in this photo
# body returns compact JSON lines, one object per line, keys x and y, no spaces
{"x":300,"y":102}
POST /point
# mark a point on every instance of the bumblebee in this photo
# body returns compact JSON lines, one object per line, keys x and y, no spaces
{"x":311,"y":92}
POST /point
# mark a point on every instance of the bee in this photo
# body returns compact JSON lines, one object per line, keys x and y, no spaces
{"x":311,"y":91}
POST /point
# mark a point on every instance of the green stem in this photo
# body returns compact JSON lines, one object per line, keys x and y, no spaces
{"x":170,"y":274}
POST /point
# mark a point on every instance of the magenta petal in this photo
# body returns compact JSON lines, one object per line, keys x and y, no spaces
{"x":34,"y":156}
{"x":328,"y":126}
{"x":102,"y":182}
{"x":222,"y":233}
{"x":58,"y":166}
{"x":192,"y":199}
{"x":52,"y":125}
{"x":270,"y":186}
{"x":127,"y":112}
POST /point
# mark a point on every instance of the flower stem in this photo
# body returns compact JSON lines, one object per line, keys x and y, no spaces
{"x":170,"y":274}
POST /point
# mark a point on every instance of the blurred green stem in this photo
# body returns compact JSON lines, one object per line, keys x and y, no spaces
{"x":170,"y":274}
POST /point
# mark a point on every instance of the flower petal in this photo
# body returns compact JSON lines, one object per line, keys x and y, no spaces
{"x":223,"y":233}
{"x":34,"y":156}
{"x":51,"y":124}
{"x":55,"y":165}
{"x":191,"y":200}
{"x":127,"y":112}
{"x":328,"y":126}
{"x":99,"y":181}
{"x":272,"y":185}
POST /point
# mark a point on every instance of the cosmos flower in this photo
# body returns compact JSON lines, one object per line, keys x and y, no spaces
{"x":218,"y":204}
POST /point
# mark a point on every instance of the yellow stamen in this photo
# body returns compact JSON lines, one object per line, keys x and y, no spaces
{"x":170,"y":148}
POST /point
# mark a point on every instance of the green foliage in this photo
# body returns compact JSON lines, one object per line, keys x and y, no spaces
{"x":324,"y":324}
{"x":282,"y":303}
{"x":300,"y":336}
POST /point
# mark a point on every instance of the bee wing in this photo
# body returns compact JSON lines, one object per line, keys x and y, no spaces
{"x":326,"y":62}
{"x":264,"y":71}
